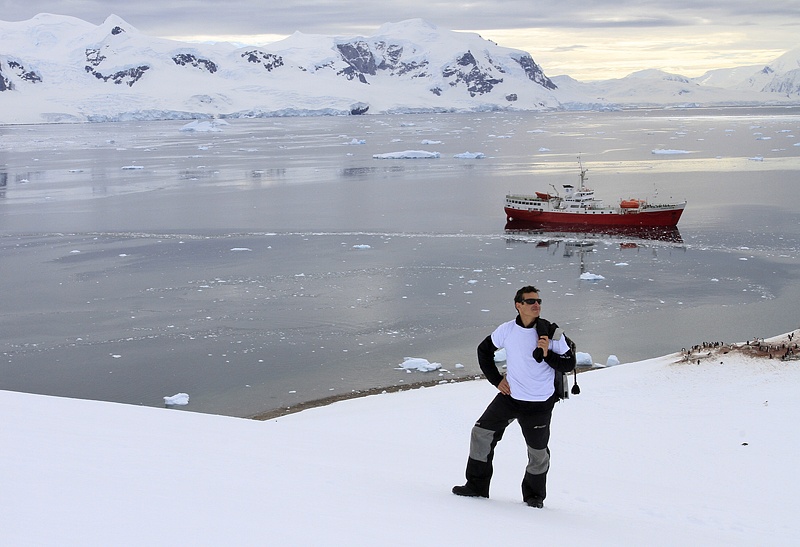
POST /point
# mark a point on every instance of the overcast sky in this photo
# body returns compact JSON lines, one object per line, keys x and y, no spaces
{"x":586,"y":39}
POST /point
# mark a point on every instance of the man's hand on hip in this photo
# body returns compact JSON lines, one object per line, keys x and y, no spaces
{"x":504,"y":388}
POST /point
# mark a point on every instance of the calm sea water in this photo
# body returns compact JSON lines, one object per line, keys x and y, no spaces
{"x":276,"y":262}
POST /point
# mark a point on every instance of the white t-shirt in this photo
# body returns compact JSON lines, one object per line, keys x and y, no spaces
{"x":529,"y":379}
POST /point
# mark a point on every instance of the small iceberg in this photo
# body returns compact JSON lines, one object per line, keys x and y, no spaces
{"x":178,"y":399}
{"x":470,"y":156}
{"x":418,"y":363}
{"x":588,"y":276}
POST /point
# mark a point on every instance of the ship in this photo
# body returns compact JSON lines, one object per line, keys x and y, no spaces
{"x":579,"y":207}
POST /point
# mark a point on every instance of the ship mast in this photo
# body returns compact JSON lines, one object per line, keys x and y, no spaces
{"x":583,"y":172}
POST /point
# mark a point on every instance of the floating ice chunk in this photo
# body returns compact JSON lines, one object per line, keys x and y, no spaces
{"x":621,"y":264}
{"x":357,"y":141}
{"x":200,"y":126}
{"x":756,"y":158}
{"x":543,"y":149}
{"x":363,"y":246}
{"x":588,"y":276}
{"x":418,"y":363}
{"x":407,"y":155}
{"x":612,"y":361}
{"x":177,"y":399}
{"x":667,"y":151}
{"x":236,"y":249}
{"x":470,"y":156}
{"x":428,"y":141}
{"x":131,"y":167}
{"x":583,"y":359}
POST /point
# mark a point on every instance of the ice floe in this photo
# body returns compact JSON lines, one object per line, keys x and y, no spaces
{"x":407,"y":155}
{"x":419,"y":364}
{"x":179,"y":399}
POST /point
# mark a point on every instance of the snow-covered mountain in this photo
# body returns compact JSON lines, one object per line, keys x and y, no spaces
{"x":780,"y":76}
{"x":63,"y":69}
{"x":776,"y":83}
{"x":57,"y":68}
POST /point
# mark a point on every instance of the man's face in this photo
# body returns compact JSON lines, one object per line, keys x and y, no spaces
{"x":530,"y":307}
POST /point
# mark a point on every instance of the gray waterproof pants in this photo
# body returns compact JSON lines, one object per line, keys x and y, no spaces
{"x":534,"y":419}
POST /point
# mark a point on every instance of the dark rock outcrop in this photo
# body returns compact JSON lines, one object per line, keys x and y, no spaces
{"x":187,"y":59}
{"x":269,"y":61}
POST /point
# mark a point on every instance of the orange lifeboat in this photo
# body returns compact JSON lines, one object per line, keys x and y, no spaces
{"x":630,"y":203}
{"x":542,"y":195}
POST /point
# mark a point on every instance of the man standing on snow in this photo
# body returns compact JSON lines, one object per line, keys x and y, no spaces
{"x":535,"y":350}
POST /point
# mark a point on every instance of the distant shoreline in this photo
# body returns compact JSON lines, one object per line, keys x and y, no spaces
{"x":780,"y":348}
{"x":355,"y":394}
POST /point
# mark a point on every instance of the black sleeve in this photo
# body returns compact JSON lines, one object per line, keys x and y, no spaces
{"x":564,"y":362}
{"x":486,"y":351}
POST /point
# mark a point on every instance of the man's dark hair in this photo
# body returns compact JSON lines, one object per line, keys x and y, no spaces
{"x":523,"y":290}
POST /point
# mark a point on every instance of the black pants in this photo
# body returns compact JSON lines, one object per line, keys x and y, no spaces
{"x":534,"y":419}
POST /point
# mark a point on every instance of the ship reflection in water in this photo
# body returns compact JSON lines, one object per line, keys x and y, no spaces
{"x":576,"y":241}
{"x":624,"y":233}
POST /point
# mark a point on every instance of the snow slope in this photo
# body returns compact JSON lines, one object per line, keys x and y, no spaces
{"x":651,"y":453}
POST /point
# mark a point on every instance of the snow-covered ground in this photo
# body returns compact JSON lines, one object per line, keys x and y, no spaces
{"x":660,"y":452}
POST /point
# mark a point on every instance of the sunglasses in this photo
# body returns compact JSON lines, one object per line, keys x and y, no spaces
{"x":530,"y":301}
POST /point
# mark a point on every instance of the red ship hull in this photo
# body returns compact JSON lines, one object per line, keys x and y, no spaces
{"x":659,"y":218}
